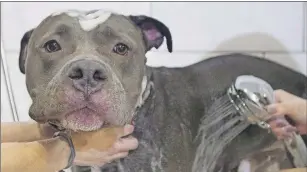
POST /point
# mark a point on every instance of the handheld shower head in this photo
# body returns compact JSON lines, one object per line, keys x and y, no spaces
{"x":250,"y":95}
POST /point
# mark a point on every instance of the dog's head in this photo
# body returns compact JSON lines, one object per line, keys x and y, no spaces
{"x":86,"y":69}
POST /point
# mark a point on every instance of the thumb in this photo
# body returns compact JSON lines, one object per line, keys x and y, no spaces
{"x":287,"y":109}
{"x":282,"y":95}
{"x":280,"y":109}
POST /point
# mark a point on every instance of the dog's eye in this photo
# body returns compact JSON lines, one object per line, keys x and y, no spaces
{"x":121,"y":49}
{"x":52,"y":46}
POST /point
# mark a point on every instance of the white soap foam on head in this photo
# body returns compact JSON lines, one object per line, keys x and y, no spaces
{"x":88,"y":19}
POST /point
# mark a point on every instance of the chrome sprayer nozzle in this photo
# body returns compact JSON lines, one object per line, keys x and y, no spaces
{"x":250,"y":95}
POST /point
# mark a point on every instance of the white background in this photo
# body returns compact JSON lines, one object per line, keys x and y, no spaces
{"x":273,"y":30}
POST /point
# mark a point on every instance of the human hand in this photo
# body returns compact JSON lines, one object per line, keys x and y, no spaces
{"x":103,"y":146}
{"x":292,"y":106}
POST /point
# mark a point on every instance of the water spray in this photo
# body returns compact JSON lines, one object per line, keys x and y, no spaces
{"x":250,"y":95}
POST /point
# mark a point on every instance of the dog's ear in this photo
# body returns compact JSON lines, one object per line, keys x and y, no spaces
{"x":23,"y":50}
{"x":154,"y":32}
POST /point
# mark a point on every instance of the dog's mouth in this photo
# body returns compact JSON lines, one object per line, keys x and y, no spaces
{"x":85,"y":116}
{"x":82,"y":119}
{"x":85,"y":119}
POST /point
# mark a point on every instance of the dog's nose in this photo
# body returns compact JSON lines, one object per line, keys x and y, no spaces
{"x":87,"y":76}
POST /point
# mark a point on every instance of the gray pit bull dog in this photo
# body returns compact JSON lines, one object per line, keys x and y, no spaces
{"x":86,"y":70}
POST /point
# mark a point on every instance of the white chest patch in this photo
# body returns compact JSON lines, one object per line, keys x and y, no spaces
{"x":88,"y":19}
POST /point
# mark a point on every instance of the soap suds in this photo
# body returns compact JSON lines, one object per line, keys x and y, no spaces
{"x":244,"y":166}
{"x":88,"y":19}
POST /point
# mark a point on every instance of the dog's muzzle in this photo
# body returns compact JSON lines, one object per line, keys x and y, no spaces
{"x":87,"y":76}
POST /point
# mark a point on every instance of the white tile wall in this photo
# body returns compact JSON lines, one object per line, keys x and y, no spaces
{"x":273,"y":30}
{"x":204,"y":25}
{"x":181,"y":59}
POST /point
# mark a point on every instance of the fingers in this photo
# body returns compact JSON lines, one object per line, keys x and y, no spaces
{"x":127,"y":130}
{"x":118,"y":150}
{"x":282,"y":95}
{"x":284,"y":109}
{"x":302,"y":128}
{"x":100,"y":160}
{"x":284,"y":132}
{"x":281,"y":128}
{"x":117,"y":156}
{"x":124,"y":145}
{"x":277,"y":122}
{"x":277,"y":109}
